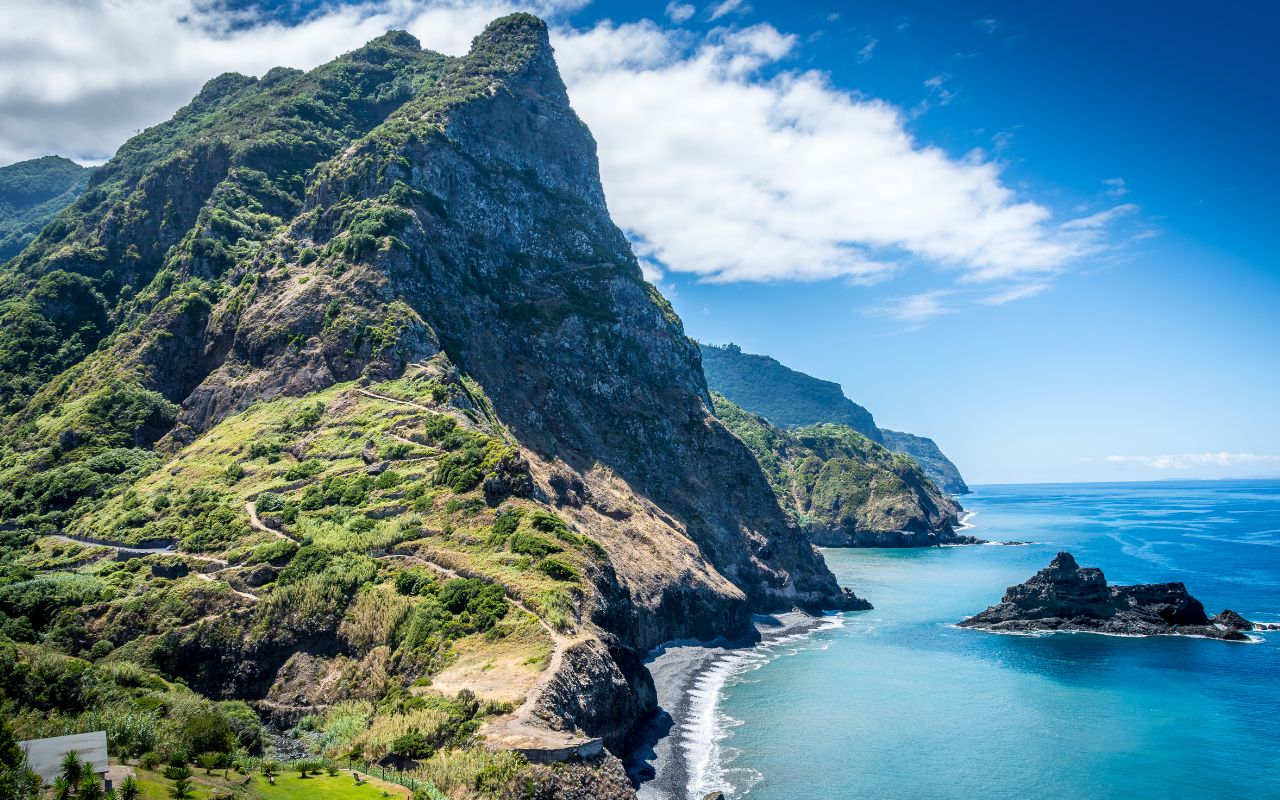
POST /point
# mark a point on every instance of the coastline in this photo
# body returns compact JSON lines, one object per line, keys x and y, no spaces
{"x":674,"y":755}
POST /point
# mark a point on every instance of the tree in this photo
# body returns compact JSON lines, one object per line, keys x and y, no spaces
{"x":129,"y":788}
{"x":181,"y":788}
{"x":17,"y":781}
{"x":72,"y":768}
{"x":269,"y":769}
{"x":209,"y":761}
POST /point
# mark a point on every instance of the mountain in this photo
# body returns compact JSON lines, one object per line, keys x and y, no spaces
{"x":789,"y":398}
{"x":842,"y":488}
{"x":937,"y":466}
{"x":340,"y":393}
{"x":31,"y":193}
{"x":780,"y":394}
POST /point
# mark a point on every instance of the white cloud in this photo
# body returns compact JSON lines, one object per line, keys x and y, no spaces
{"x":988,"y":25}
{"x":1015,"y":293}
{"x":717,"y":160}
{"x":868,"y":50}
{"x":1184,"y":461}
{"x":679,"y":12}
{"x":726,"y":7}
{"x":1114,"y":187}
{"x":743,"y":177}
{"x":917,"y":308}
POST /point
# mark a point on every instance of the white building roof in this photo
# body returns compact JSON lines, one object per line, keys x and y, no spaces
{"x":45,"y":755}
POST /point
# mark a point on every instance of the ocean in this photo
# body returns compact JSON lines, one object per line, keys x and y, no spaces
{"x":896,"y":703}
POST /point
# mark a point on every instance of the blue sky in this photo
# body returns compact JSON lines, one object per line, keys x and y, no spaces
{"x":1040,"y":233}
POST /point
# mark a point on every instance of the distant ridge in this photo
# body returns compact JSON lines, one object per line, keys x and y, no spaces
{"x":791,"y":399}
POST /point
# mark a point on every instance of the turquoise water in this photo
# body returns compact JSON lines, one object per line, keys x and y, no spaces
{"x":893,"y":703}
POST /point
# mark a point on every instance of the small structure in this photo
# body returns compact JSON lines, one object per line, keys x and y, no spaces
{"x":44,"y":756}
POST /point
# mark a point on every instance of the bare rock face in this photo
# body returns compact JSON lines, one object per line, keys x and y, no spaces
{"x":1067,"y":597}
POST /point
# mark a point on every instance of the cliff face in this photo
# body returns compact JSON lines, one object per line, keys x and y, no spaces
{"x":790,"y":399}
{"x":32,"y":193}
{"x":373,"y":321}
{"x":926,"y":453}
{"x":843,"y":489}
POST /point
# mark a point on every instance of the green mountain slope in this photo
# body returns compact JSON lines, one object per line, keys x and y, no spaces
{"x":780,"y":394}
{"x":364,"y":348}
{"x":926,"y":453}
{"x":842,"y":488}
{"x":790,"y":399}
{"x":31,"y":193}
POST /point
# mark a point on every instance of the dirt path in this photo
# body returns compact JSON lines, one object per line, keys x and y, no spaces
{"x":396,"y":400}
{"x":522,"y":729}
{"x":258,"y":525}
{"x":252,"y":598}
{"x":139,"y":551}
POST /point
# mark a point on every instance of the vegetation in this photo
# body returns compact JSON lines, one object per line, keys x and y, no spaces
{"x":836,"y":482}
{"x":32,"y":193}
{"x":783,"y":396}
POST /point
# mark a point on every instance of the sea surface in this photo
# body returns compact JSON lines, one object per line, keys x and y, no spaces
{"x":896,"y":703}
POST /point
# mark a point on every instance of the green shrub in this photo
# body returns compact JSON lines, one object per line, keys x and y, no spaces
{"x":531,"y":544}
{"x":269,"y":502}
{"x":558,"y":569}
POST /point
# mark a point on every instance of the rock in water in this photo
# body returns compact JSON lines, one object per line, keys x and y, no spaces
{"x":1067,"y":597}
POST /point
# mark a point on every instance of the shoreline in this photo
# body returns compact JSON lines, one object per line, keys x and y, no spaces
{"x":678,"y":745}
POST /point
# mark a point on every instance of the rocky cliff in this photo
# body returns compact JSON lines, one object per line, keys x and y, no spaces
{"x":788,"y":398}
{"x":843,"y":489}
{"x":1067,"y":597}
{"x":365,"y":345}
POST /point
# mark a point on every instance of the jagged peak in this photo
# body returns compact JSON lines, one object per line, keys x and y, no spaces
{"x":1064,"y":561}
{"x":514,"y":30}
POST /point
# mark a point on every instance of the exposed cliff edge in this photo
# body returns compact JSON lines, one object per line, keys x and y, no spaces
{"x":843,"y":489}
{"x":365,"y":342}
{"x":789,"y":399}
{"x":1067,"y":597}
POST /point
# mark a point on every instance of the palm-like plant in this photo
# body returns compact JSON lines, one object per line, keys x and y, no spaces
{"x":62,"y":789}
{"x":209,"y":761}
{"x":89,"y":788}
{"x":72,"y":768}
{"x":129,"y":789}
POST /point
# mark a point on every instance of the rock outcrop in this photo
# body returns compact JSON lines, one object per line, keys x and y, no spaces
{"x":1067,"y":597}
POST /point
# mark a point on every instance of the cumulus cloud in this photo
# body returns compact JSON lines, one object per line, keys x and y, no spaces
{"x":718,"y":158}
{"x":1184,"y":461}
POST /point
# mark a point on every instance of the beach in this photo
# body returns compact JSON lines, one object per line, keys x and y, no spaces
{"x":675,"y":755}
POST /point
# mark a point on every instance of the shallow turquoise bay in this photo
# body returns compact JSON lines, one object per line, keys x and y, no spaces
{"x":895,"y":703}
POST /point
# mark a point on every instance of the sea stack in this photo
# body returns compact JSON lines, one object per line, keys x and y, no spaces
{"x":1067,"y":597}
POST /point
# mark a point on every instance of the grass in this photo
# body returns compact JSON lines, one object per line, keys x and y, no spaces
{"x":288,"y":786}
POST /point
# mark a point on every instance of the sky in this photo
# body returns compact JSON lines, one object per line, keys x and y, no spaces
{"x":1040,"y":233}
